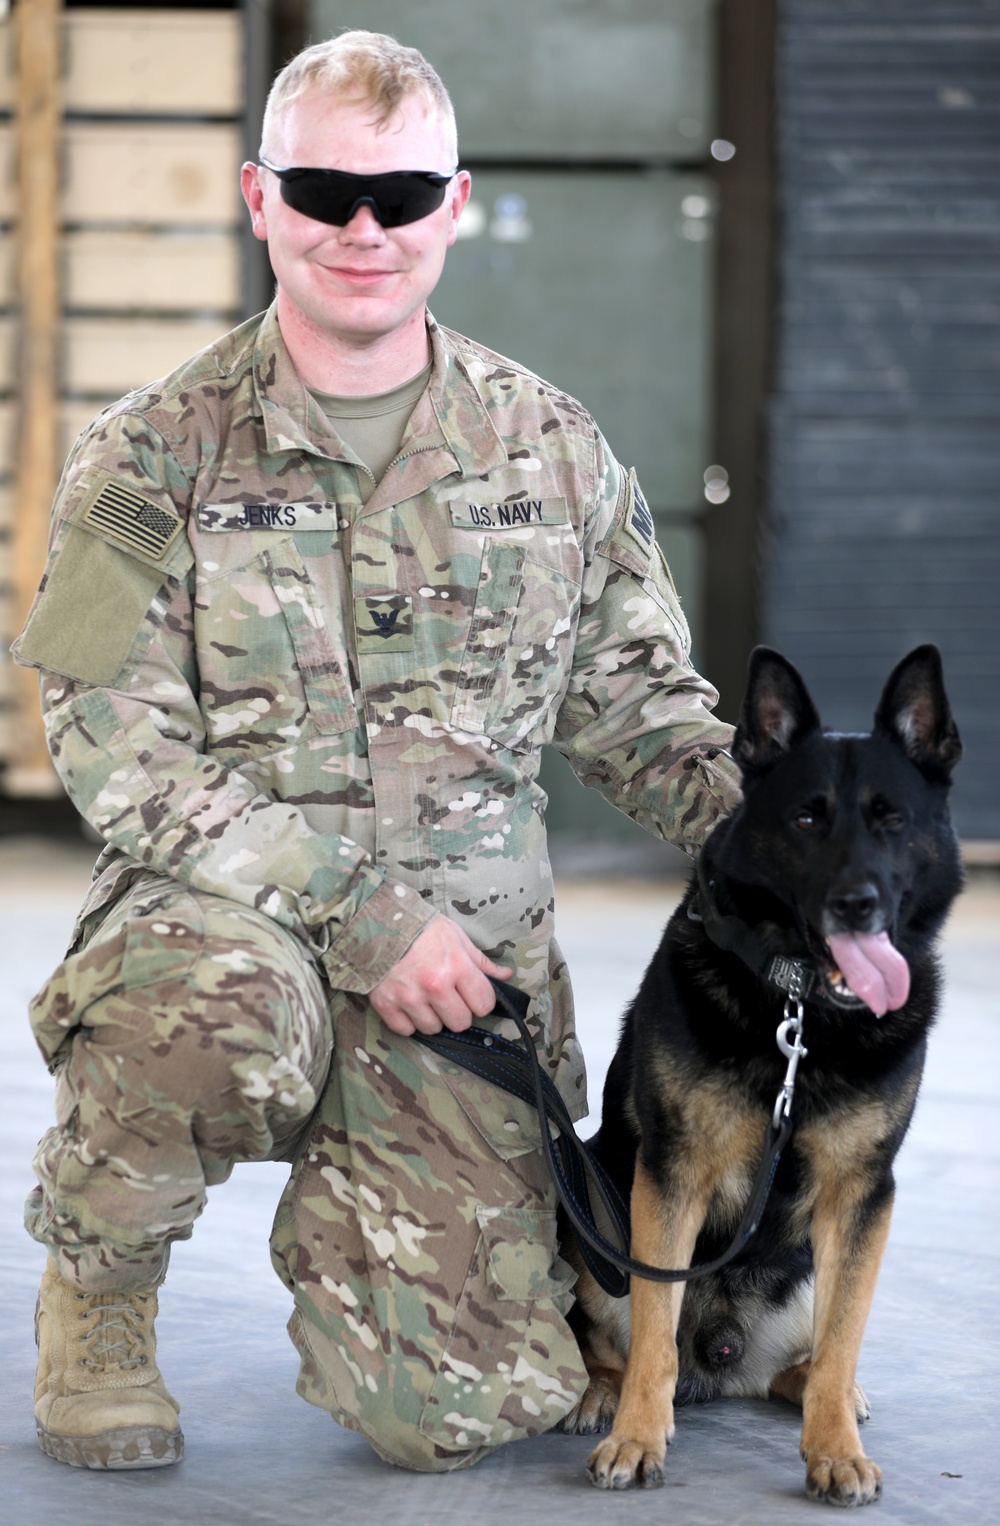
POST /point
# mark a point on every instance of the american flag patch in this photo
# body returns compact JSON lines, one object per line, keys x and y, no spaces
{"x":126,"y":516}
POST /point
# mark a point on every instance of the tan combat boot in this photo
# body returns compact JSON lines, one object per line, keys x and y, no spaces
{"x":99,"y":1399}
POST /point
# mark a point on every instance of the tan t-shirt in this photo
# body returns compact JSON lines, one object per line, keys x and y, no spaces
{"x":374,"y":426}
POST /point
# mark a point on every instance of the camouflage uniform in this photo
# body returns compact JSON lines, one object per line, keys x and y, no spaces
{"x":320,"y":717}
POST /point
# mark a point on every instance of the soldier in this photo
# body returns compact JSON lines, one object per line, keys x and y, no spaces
{"x":313,"y":604}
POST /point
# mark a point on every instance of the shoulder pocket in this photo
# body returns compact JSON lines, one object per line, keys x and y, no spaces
{"x":631,"y":545}
{"x":630,"y":542}
{"x":90,"y":609}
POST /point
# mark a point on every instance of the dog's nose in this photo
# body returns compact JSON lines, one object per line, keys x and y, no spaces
{"x":854,"y":906}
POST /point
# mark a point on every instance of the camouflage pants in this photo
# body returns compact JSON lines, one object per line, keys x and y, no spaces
{"x":417,"y":1232}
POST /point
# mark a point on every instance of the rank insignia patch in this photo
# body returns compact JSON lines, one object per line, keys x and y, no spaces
{"x":384,"y":625}
{"x":124,"y":515}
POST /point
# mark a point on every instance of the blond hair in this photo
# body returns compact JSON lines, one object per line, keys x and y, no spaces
{"x":367,"y":67}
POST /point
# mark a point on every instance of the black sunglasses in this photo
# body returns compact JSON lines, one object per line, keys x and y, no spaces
{"x":333,"y":196}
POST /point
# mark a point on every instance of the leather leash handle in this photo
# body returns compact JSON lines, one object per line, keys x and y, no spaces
{"x":518,"y":1071}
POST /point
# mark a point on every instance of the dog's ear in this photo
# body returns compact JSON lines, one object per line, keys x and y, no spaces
{"x":777,"y":711}
{"x":914,"y":713}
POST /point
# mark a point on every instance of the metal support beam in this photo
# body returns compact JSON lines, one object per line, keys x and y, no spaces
{"x":744,"y":322}
{"x":37,"y":121}
{"x":258,"y":56}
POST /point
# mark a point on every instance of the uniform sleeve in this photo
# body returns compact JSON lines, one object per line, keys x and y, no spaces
{"x":111,"y":630}
{"x":636,"y":722}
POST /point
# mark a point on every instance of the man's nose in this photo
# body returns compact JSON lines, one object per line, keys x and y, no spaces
{"x":363,"y":224}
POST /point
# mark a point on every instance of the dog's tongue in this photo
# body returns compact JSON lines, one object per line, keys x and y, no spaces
{"x":875,"y":971}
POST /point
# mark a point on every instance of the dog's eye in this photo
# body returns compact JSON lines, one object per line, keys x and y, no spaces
{"x":887,"y":818}
{"x":805,"y":821}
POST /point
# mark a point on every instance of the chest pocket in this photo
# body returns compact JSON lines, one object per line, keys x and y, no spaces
{"x":272,"y":669}
{"x":322,"y":669}
{"x":519,"y":650}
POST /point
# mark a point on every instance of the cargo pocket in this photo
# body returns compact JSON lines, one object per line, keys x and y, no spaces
{"x":511,"y":1367}
{"x":519,"y":652}
{"x":153,"y":932}
{"x":481,"y":687}
{"x":164,"y":937}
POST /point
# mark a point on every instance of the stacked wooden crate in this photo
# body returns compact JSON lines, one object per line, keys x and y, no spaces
{"x":148,"y":237}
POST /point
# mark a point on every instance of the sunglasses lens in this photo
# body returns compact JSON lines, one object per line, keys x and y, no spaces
{"x":407,"y":201}
{"x":330,"y":197}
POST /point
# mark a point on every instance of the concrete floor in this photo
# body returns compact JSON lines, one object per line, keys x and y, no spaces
{"x":257,"y":1454}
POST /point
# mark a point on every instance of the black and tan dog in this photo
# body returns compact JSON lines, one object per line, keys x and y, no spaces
{"x":841,"y":864}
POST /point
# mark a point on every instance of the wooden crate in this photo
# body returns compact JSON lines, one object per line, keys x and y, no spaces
{"x":108,"y":356}
{"x":103,"y":356}
{"x":118,"y":270}
{"x":112,"y":269}
{"x":6,"y":62}
{"x":157,"y":174}
{"x":160,"y":174}
{"x":151,"y":61}
{"x":154,"y":61}
{"x":8,"y":618}
{"x":6,"y":613}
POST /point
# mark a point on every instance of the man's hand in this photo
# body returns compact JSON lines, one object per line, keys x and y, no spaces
{"x":440,"y":982}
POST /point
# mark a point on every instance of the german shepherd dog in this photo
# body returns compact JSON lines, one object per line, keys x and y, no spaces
{"x":840,"y":862}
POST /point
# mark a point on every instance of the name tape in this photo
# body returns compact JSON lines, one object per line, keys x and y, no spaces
{"x":517,"y":514}
{"x":269,"y":516}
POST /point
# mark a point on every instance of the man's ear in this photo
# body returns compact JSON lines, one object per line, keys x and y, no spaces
{"x":253,"y":195}
{"x":458,"y":195}
{"x":777,"y":711}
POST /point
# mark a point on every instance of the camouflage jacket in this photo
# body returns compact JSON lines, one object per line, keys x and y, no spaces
{"x":332,"y":709}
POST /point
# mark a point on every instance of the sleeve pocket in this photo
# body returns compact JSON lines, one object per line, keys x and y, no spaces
{"x":90,"y":610}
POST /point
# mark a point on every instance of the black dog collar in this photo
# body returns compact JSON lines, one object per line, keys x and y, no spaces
{"x":795,"y":976}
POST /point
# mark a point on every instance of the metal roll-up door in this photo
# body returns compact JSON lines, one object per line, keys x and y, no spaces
{"x":884,"y":528}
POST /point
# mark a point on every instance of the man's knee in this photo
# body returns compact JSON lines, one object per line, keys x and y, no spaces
{"x":189,"y":1005}
{"x":188,"y":1035}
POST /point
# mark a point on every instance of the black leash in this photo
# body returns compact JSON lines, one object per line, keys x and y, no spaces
{"x":518,"y":1071}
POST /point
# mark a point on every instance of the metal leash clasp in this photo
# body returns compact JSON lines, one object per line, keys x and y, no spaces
{"x":789,"y":1041}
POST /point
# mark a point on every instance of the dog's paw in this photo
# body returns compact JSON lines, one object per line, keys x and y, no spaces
{"x":861,"y":1406}
{"x":596,"y":1410}
{"x":843,"y":1480}
{"x":622,"y":1464}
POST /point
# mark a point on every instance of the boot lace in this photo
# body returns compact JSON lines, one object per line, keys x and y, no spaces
{"x":116,"y":1331}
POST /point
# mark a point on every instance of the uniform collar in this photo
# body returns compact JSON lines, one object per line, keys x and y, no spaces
{"x":462,"y":414}
{"x":451,"y":416}
{"x":292,"y":419}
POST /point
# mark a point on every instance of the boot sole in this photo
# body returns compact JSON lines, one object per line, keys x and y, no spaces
{"x":132,"y":1446}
